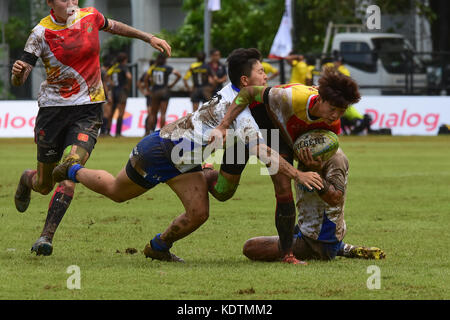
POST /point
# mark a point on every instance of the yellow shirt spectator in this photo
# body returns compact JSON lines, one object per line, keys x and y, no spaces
{"x":269,"y":69}
{"x":300,"y":72}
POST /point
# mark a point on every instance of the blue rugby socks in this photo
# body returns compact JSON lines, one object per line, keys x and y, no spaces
{"x":72,"y":174}
{"x":158,"y":244}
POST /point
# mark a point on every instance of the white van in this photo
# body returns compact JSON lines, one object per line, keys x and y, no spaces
{"x":379,"y":62}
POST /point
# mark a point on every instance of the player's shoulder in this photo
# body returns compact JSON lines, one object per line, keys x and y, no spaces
{"x":196,"y":65}
{"x":89,"y":10}
{"x":339,"y":160}
{"x":227,"y":93}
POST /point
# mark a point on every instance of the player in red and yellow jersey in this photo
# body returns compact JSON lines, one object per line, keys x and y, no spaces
{"x":296,"y":109}
{"x":70,"y":99}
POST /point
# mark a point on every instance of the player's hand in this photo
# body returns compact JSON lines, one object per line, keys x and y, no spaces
{"x":305,"y":156}
{"x":218,"y":135}
{"x":161,"y":45}
{"x":19,"y":68}
{"x":311,"y":180}
{"x":291,"y":259}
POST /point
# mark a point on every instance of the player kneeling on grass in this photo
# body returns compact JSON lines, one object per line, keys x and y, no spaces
{"x":321,"y":226}
{"x":172,"y":156}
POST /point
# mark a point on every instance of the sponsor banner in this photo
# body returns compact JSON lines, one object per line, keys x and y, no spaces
{"x":407,"y":115}
{"x":17,"y":118}
{"x":419,"y":115}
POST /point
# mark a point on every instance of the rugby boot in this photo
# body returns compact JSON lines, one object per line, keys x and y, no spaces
{"x":61,"y":172}
{"x":42,"y":247}
{"x":291,"y":259}
{"x":149,"y":252}
{"x":366,"y":253}
{"x":23,"y":193}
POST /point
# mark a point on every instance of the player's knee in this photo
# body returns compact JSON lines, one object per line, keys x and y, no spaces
{"x":199,"y":215}
{"x":249,"y":249}
{"x":224,"y":189}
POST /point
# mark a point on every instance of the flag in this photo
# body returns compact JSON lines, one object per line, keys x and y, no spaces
{"x":282,"y":44}
{"x":213,"y":5}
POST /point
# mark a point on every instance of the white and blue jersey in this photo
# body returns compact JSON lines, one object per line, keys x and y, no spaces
{"x":182,"y":146}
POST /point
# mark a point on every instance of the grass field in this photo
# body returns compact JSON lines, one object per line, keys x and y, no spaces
{"x":398,"y":199}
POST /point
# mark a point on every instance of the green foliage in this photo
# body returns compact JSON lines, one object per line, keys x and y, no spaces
{"x":254,"y":23}
{"x":251,"y":23}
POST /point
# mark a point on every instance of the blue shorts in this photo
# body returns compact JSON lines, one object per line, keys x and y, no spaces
{"x":305,"y":248}
{"x":150,"y":162}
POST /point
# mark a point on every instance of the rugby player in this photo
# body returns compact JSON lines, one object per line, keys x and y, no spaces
{"x":160,"y":90}
{"x":154,"y":161}
{"x":321,"y":226}
{"x":201,"y":74}
{"x":121,"y":80}
{"x":70,"y":100}
{"x":294,"y":110}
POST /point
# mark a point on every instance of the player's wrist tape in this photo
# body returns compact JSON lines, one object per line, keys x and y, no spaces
{"x":72,"y":174}
{"x":326,"y":187}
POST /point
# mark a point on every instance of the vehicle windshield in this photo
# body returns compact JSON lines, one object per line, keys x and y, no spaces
{"x":396,"y":55}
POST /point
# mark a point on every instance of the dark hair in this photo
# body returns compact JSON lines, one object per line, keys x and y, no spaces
{"x":201,"y":56}
{"x":240,"y":63}
{"x":122,"y":57}
{"x":160,"y":59}
{"x":337,"y":89}
{"x":213,"y":50}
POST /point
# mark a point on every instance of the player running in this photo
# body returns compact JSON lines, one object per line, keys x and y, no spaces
{"x":160,"y":90}
{"x":70,"y":100}
{"x":174,"y":156}
{"x":321,"y":225}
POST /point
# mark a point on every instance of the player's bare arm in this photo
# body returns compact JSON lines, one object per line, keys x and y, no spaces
{"x":121,"y":29}
{"x":269,"y":156}
{"x":178,"y":77}
{"x":20,"y":72}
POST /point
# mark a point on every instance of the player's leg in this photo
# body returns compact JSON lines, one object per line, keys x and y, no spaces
{"x":223,"y":184}
{"x":153,"y":117}
{"x":118,"y":189}
{"x":121,"y":106}
{"x":192,"y":190}
{"x":285,"y":213}
{"x":79,"y":141}
{"x":263,"y":249}
{"x":163,"y":109}
{"x":267,"y":249}
{"x":49,"y":132}
{"x":149,"y":110}
{"x":360,"y":252}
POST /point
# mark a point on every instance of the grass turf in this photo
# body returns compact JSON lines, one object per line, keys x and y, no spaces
{"x":398,"y":199}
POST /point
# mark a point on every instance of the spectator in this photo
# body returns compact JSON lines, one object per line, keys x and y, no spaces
{"x":300,"y":72}
{"x":218,"y":71}
{"x":269,"y":69}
